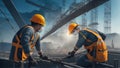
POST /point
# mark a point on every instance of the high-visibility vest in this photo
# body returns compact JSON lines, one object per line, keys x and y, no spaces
{"x":100,"y":48}
{"x":18,"y":45}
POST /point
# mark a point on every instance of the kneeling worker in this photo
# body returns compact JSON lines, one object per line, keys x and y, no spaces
{"x":25,"y":40}
{"x":93,"y":42}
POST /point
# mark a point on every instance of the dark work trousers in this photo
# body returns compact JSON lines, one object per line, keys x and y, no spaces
{"x":21,"y":65}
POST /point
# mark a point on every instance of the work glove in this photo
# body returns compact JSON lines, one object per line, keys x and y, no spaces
{"x":42,"y":57}
{"x":40,"y":54}
{"x":32,"y":60}
{"x":71,"y":54}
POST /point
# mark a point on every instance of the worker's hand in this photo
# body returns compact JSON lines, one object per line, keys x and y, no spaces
{"x":40,"y":53}
{"x":32,"y":60}
{"x":44,"y":57}
{"x":71,"y":54}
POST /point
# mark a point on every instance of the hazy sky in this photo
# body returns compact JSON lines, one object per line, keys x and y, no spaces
{"x":116,"y":16}
{"x":22,"y":6}
{"x":115,"y":12}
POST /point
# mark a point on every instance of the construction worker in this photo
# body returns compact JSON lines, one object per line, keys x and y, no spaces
{"x":93,"y":42}
{"x":25,"y":39}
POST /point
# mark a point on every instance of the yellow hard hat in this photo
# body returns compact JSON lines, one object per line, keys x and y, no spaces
{"x":72,"y":26}
{"x":39,"y":19}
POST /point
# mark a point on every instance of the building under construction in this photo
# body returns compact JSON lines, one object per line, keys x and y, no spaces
{"x":15,"y":14}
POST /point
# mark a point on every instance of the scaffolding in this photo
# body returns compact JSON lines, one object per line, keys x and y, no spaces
{"x":94,"y":19}
{"x":84,"y":21}
{"x":107,"y":17}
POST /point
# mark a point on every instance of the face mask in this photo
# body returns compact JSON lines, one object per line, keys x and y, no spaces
{"x":40,"y":30}
{"x":78,"y":27}
{"x":75,"y":32}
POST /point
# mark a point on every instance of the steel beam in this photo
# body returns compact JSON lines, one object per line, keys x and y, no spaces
{"x":11,"y":8}
{"x":81,"y":10}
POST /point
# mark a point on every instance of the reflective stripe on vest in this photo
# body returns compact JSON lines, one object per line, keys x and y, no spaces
{"x":17,"y":45}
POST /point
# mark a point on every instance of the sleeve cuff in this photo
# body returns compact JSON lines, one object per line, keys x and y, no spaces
{"x":75,"y":48}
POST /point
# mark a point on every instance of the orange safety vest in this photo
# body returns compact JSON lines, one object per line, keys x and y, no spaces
{"x":18,"y":45}
{"x":101,"y":51}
